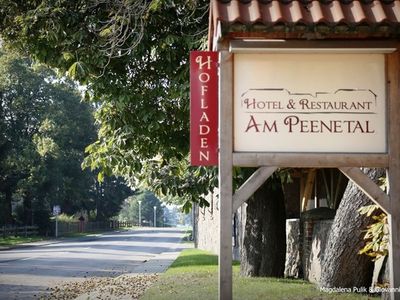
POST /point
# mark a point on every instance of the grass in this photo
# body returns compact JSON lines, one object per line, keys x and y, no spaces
{"x":128,"y":228}
{"x":194,"y":275}
{"x":15,"y":240}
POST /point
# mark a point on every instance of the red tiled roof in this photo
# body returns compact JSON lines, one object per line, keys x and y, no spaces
{"x":291,"y":17}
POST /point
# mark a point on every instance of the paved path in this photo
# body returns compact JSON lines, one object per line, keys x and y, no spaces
{"x":26,"y":272}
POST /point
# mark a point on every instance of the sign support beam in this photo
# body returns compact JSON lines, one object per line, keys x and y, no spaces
{"x":310,"y":160}
{"x":393,"y":67}
{"x":225,"y":174}
{"x":370,"y":188}
{"x":251,"y":185}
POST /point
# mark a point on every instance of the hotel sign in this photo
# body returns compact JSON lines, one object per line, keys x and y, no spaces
{"x":328,"y":103}
{"x":203,"y":108}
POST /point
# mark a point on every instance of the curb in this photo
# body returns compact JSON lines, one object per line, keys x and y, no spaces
{"x":157,"y":264}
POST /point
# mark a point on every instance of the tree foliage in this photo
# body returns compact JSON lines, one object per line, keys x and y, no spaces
{"x":44,"y":129}
{"x":133,"y":56}
{"x":108,"y":197}
{"x":130,"y":208}
{"x":377,"y":234}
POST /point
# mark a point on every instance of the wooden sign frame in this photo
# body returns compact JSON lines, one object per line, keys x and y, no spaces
{"x":348,"y":164}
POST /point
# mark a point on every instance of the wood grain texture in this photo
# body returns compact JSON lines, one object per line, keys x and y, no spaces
{"x":225,"y":175}
{"x":369,"y":187}
{"x":393,"y":69}
{"x":310,"y":160}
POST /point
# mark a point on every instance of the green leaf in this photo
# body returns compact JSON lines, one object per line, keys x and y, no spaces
{"x":77,"y":70}
{"x":187,"y":206}
{"x":155,"y":5}
{"x":106,"y":32}
{"x":68,"y":56}
{"x":368,"y":210}
{"x":100,"y":176}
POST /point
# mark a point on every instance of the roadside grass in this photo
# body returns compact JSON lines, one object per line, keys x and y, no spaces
{"x":128,"y":228}
{"x":194,"y":275}
{"x":15,"y":240}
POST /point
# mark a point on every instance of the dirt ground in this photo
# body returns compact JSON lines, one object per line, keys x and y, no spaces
{"x":124,"y":287}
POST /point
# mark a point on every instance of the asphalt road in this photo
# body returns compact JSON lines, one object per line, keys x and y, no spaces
{"x":25,"y":273}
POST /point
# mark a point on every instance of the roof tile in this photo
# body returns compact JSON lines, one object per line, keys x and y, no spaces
{"x":306,"y":12}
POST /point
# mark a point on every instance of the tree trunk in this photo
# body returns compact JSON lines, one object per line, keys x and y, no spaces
{"x":264,"y":243}
{"x":8,"y":219}
{"x":28,"y":210}
{"x":342,"y":265}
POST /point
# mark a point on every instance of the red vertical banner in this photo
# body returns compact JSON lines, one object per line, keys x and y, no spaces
{"x":203,"y":108}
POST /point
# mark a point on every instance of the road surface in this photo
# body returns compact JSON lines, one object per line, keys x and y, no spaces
{"x":25,"y":273}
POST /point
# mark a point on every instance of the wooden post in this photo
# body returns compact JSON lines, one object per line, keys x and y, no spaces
{"x":393,"y":69}
{"x":308,"y":189}
{"x":225,"y":174}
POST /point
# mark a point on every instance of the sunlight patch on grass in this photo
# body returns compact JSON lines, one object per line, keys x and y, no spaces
{"x":194,"y":275}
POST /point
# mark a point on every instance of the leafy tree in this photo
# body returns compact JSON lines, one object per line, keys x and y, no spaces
{"x":44,"y":129}
{"x":133,"y":57}
{"x":139,"y":79}
{"x":108,"y":197}
{"x":22,"y":106}
{"x":130,"y":209}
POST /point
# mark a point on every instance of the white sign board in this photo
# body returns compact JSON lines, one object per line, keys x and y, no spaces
{"x":56,"y":210}
{"x":329,"y":103}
